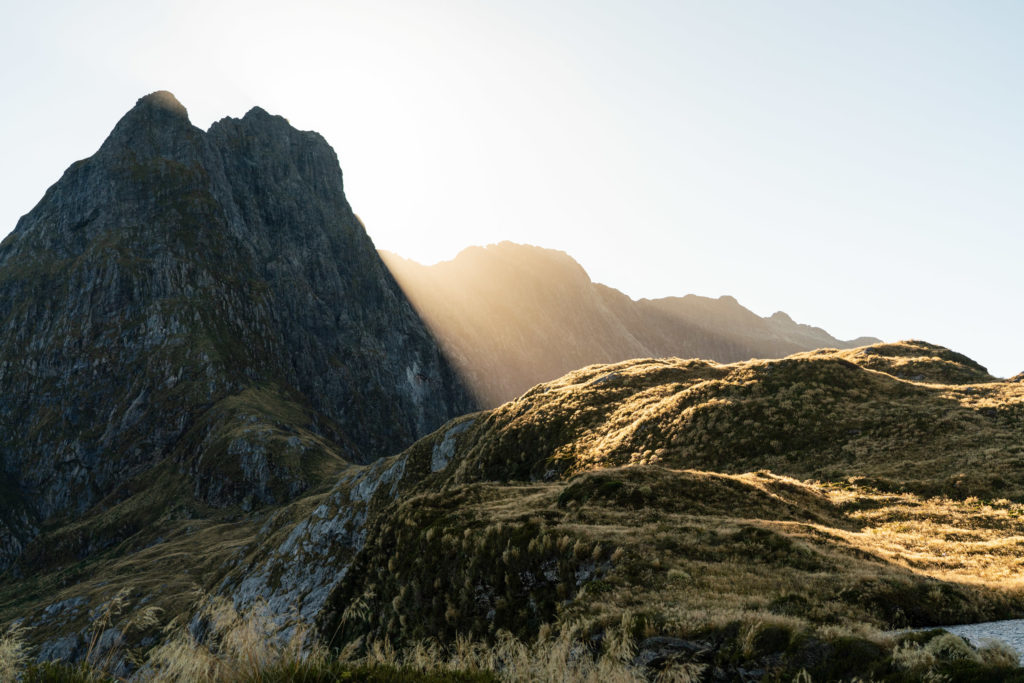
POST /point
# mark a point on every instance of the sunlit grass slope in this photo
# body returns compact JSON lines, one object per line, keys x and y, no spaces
{"x":677,"y":516}
{"x":909,"y":416}
{"x":823,"y":496}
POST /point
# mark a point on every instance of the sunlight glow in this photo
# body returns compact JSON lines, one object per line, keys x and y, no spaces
{"x":854,"y":164}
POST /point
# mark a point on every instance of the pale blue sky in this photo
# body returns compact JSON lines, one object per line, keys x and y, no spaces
{"x":857,"y":164}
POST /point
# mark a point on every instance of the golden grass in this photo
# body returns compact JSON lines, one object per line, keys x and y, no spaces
{"x":826,"y":494}
{"x":234,"y":647}
{"x":823,"y":415}
{"x":954,"y":540}
{"x":690,"y":552}
{"x":14,"y":652}
{"x":242,"y":647}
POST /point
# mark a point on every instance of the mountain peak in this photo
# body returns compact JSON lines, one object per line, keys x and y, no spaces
{"x":174,"y":245}
{"x":157,"y":126}
{"x":163,"y":100}
{"x":259,"y":113}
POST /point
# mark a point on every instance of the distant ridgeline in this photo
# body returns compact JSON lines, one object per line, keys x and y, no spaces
{"x":199,"y":316}
{"x":511,"y":316}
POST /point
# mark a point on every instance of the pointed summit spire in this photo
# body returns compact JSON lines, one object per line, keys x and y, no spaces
{"x":157,"y":125}
{"x":163,"y":100}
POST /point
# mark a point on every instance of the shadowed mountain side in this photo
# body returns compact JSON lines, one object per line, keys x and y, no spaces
{"x":511,"y":316}
{"x":207,"y":298}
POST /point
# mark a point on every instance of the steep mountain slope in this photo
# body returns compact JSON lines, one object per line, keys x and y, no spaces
{"x":513,"y":315}
{"x":205,"y":305}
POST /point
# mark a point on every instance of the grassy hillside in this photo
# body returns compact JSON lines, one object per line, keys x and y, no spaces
{"x":751,"y":520}
{"x":909,"y":416}
{"x":825,"y":496}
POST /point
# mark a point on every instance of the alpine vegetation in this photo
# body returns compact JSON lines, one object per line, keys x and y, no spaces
{"x":233,"y":451}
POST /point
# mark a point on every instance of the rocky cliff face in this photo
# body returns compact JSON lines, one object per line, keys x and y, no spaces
{"x":513,"y":315}
{"x":208,"y":300}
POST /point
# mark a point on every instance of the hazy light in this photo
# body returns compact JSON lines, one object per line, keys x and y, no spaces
{"x":854,"y":164}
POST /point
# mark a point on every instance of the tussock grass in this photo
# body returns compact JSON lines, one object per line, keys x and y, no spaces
{"x":247,"y":647}
{"x":770,"y":510}
{"x":237,"y":647}
{"x":14,"y":652}
{"x":693,"y":550}
{"x":232,"y":644}
{"x":825,"y":415}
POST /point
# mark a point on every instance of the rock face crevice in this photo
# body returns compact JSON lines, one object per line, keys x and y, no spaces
{"x":175,"y":269}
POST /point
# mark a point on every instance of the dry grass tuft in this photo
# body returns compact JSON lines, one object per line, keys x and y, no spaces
{"x":14,"y":652}
{"x":233,"y":645}
{"x":552,"y":659}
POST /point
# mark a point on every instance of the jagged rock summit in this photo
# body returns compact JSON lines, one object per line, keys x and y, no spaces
{"x":159,"y":103}
{"x":205,"y":306}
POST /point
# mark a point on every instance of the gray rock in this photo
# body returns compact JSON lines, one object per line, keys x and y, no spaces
{"x":62,"y":610}
{"x":293,"y":581}
{"x":174,"y":270}
{"x":443,"y":452}
{"x":659,"y":651}
{"x":68,"y":648}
